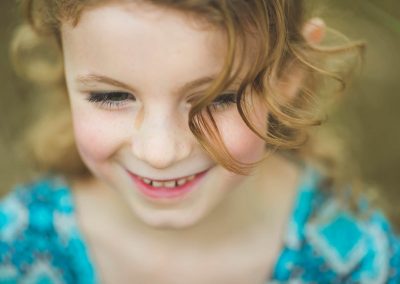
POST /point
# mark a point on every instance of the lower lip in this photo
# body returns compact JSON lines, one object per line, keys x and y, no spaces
{"x":160,"y":193}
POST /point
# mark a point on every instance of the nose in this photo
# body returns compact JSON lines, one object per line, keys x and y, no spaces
{"x":162,"y":140}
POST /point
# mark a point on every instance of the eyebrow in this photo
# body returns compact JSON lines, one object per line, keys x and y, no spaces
{"x":86,"y":79}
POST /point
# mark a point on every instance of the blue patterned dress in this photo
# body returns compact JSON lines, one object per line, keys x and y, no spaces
{"x":40,"y":241}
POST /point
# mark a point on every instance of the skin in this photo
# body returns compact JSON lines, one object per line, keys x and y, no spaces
{"x":156,"y":52}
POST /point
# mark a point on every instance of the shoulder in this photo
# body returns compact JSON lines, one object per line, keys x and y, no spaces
{"x":34,"y":207}
{"x":362,"y":249}
{"x":328,"y":243}
{"x":36,"y":230}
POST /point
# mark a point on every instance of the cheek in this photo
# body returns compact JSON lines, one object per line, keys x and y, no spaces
{"x":96,"y":136}
{"x":241,"y":142}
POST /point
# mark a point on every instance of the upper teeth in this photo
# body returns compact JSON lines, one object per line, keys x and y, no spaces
{"x":170,"y":184}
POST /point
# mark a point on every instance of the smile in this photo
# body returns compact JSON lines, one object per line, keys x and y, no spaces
{"x":167,"y":188}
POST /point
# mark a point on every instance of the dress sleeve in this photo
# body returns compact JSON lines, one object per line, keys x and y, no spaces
{"x":30,"y":248}
{"x":381,"y":263}
{"x":394,"y":260}
{"x":388,"y":243}
{"x":14,"y":219}
{"x":355,"y":248}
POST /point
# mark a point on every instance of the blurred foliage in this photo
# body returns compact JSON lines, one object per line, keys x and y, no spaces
{"x":367,"y":119}
{"x":14,"y":104}
{"x":369,"y":115}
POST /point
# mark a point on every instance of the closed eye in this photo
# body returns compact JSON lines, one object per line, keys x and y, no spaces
{"x":110,"y":100}
{"x":224,"y":101}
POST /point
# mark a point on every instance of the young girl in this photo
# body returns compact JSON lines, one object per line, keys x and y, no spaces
{"x":181,"y":113}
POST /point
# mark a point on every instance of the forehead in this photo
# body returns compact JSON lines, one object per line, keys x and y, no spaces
{"x":142,"y":41}
{"x":142,"y":22}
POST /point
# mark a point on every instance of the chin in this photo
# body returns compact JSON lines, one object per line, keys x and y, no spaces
{"x":169,"y":220}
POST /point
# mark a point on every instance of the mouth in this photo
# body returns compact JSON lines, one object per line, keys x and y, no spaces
{"x":175,"y":188}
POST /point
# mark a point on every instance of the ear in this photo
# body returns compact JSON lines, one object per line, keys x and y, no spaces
{"x":313,"y":32}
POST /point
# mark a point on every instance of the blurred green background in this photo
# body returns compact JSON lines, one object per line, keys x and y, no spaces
{"x":368,"y":118}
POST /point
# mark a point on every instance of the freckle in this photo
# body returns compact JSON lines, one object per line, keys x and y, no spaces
{"x":139,"y":119}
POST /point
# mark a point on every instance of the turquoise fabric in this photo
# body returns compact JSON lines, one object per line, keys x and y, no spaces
{"x":327,"y":244}
{"x":40,"y":241}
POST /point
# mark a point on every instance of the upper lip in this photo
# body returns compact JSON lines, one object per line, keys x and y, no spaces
{"x":166,"y":180}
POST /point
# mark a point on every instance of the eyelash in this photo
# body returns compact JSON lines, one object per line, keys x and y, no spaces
{"x":107,"y":100}
{"x":224,"y":101}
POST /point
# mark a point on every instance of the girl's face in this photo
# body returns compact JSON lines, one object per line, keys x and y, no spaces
{"x":130,"y":72}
